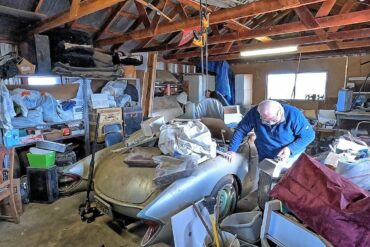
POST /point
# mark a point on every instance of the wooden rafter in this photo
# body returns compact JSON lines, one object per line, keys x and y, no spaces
{"x":38,"y":6}
{"x":110,"y":20}
{"x":325,"y":8}
{"x":85,"y":8}
{"x":305,"y":40}
{"x":128,"y":15}
{"x":324,"y":22}
{"x":143,"y":15}
{"x":154,"y":24}
{"x":346,"y":8}
{"x":251,"y":9}
{"x":152,"y":7}
{"x":75,"y":6}
{"x":305,"y":49}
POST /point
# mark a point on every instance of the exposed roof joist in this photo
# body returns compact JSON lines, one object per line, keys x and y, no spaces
{"x":219,"y":16}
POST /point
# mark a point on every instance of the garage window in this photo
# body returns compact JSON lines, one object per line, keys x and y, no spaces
{"x":42,"y":80}
{"x":308,"y":86}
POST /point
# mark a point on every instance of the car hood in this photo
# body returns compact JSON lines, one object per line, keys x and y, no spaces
{"x":132,"y":185}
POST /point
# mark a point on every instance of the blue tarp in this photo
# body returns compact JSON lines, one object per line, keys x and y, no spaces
{"x":224,"y":79}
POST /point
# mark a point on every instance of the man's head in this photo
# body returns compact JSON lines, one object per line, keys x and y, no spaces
{"x":271,"y":112}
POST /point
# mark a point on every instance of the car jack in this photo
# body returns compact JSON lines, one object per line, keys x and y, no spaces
{"x":88,"y":210}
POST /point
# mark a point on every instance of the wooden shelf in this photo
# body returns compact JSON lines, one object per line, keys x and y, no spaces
{"x":57,"y":139}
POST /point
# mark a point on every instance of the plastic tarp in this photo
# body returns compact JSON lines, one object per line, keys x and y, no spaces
{"x":6,"y":108}
{"x":116,"y":89}
{"x":326,"y":202}
{"x":187,"y":138}
{"x":358,"y":172}
{"x":50,"y":108}
{"x":224,"y":78}
{"x":209,"y":108}
{"x":169,"y":169}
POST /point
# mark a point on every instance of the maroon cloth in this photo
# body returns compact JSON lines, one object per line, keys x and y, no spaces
{"x":328,"y":203}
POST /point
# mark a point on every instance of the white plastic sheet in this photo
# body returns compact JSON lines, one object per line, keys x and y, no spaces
{"x":357,"y":172}
{"x":187,"y":138}
{"x":6,"y":107}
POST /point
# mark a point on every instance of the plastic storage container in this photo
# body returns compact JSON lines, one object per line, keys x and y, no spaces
{"x":246,"y":225}
{"x":344,"y":100}
{"x":43,"y":184}
{"x":41,"y":160}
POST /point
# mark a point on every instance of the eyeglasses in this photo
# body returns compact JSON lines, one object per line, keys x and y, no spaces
{"x":273,"y":120}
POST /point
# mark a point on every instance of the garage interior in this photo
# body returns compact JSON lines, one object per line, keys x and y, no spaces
{"x":185,"y":123}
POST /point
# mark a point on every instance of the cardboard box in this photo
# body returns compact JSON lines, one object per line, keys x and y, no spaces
{"x":77,"y":112}
{"x":25,"y":67}
{"x":99,"y":100}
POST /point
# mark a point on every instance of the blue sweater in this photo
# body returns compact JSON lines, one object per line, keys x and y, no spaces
{"x":295,"y":132}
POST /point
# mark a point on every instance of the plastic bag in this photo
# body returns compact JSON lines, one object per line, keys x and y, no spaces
{"x":186,"y":138}
{"x":170,"y":169}
{"x":26,"y":99}
{"x":50,"y":109}
{"x":116,"y":89}
{"x":7,"y":108}
{"x":357,"y":172}
{"x":35,"y":116}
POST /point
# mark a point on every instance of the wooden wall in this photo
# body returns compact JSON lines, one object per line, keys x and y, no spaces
{"x":335,"y":67}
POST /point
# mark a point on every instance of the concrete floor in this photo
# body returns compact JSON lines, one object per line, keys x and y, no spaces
{"x":59,"y":224}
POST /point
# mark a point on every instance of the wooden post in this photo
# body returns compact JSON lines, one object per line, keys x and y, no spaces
{"x":148,"y":85}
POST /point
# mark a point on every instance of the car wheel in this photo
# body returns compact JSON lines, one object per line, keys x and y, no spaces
{"x":228,"y":191}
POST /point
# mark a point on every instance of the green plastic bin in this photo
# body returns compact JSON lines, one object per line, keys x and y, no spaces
{"x":41,"y":160}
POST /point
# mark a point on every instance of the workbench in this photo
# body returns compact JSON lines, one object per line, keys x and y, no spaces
{"x":354,"y":115}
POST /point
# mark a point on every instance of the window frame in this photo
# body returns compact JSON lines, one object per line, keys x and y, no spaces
{"x":294,"y":73}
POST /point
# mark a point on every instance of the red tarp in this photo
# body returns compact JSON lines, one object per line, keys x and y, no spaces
{"x":328,"y":203}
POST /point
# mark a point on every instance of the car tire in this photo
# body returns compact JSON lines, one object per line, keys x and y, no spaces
{"x":228,"y":189}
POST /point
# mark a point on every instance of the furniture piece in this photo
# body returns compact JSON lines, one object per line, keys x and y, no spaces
{"x":354,"y":115}
{"x":285,"y":231}
{"x":6,"y":183}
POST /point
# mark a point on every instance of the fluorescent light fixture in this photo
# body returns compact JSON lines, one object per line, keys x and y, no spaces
{"x":269,"y":51}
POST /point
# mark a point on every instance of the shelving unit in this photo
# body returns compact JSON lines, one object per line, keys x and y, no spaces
{"x":85,"y":119}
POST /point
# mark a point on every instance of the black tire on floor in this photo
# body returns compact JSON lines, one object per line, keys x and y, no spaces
{"x":228,"y":186}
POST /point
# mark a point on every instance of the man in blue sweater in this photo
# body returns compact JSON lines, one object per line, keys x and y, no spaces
{"x":282,"y":132}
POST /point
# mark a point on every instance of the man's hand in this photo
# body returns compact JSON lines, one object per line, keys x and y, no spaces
{"x":284,"y":154}
{"x":230,"y":156}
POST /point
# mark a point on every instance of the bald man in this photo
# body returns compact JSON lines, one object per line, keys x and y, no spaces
{"x":282,"y":131}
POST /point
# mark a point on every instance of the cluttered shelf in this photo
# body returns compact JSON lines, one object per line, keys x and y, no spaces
{"x":354,"y":114}
{"x":56,"y":139}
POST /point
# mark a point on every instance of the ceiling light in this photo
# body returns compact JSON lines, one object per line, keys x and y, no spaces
{"x":269,"y":51}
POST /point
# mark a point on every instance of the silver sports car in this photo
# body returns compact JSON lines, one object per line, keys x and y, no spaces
{"x":123,"y":190}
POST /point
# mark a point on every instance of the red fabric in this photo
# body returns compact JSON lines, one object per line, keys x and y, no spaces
{"x":328,"y":203}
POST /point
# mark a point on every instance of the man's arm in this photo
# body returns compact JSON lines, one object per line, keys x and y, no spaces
{"x":304,"y":134}
{"x":243,"y":128}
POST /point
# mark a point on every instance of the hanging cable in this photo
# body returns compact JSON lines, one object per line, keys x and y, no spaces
{"x":296,"y":77}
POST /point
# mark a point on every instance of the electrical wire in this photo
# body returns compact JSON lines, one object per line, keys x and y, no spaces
{"x":296,"y":77}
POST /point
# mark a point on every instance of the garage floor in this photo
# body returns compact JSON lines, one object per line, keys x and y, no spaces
{"x":59,"y":224}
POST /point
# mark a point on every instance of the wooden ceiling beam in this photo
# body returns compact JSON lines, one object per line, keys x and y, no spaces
{"x":161,"y":6}
{"x":251,"y":9}
{"x":305,"y":49}
{"x":128,"y":15}
{"x":325,"y":8}
{"x":152,"y":7}
{"x":324,"y":22}
{"x":143,"y":15}
{"x":85,"y":8}
{"x":75,"y":6}
{"x":310,"y":39}
{"x":110,"y":20}
{"x":346,"y":8}
{"x":38,"y":6}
